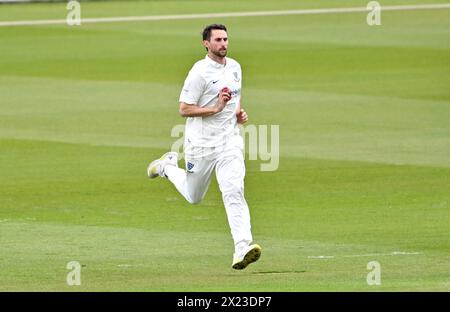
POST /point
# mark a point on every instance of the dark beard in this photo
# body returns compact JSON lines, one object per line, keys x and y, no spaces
{"x":220,"y":53}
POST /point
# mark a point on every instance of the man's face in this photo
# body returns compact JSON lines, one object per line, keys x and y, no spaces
{"x":218,"y":44}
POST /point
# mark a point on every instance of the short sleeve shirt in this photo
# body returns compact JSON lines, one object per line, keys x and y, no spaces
{"x":202,"y":87}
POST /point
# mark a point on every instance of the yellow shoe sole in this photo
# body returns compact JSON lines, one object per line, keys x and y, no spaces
{"x":151,"y":169}
{"x":251,"y":256}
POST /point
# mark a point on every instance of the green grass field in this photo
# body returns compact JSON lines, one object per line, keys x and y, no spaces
{"x":364,"y":175}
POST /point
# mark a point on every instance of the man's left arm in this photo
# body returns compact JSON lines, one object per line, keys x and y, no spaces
{"x":241,"y":115}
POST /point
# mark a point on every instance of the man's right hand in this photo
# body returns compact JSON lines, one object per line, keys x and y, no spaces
{"x":224,"y":97}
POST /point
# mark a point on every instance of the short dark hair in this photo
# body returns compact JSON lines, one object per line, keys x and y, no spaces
{"x":209,"y":28}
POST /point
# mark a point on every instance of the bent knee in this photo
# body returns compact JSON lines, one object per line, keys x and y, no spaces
{"x":230,"y":189}
{"x":233,"y":195}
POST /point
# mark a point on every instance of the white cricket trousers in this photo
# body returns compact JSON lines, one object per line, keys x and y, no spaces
{"x":228,"y":161}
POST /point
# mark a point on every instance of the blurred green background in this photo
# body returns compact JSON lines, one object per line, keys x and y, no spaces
{"x":364,"y":140}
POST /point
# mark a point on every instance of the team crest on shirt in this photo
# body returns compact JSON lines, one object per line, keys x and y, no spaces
{"x":190,"y":166}
{"x":236,"y":76}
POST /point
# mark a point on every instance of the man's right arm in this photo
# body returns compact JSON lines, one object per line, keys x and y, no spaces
{"x":193,"y":110}
{"x":190,"y":110}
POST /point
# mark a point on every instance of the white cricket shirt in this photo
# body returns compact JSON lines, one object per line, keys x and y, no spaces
{"x":202,"y":87}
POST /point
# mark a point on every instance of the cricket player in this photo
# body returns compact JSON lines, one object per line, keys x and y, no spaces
{"x":210,"y":101}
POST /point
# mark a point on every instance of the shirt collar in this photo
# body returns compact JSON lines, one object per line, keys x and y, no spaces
{"x":214,"y":63}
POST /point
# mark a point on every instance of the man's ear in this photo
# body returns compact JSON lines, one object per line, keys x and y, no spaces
{"x":206,"y":44}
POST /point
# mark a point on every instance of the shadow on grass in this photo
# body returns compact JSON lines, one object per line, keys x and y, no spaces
{"x":236,"y":272}
{"x":278,"y":272}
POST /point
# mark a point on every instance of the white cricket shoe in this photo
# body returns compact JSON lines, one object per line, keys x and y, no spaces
{"x":156,"y":167}
{"x":249,"y":255}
